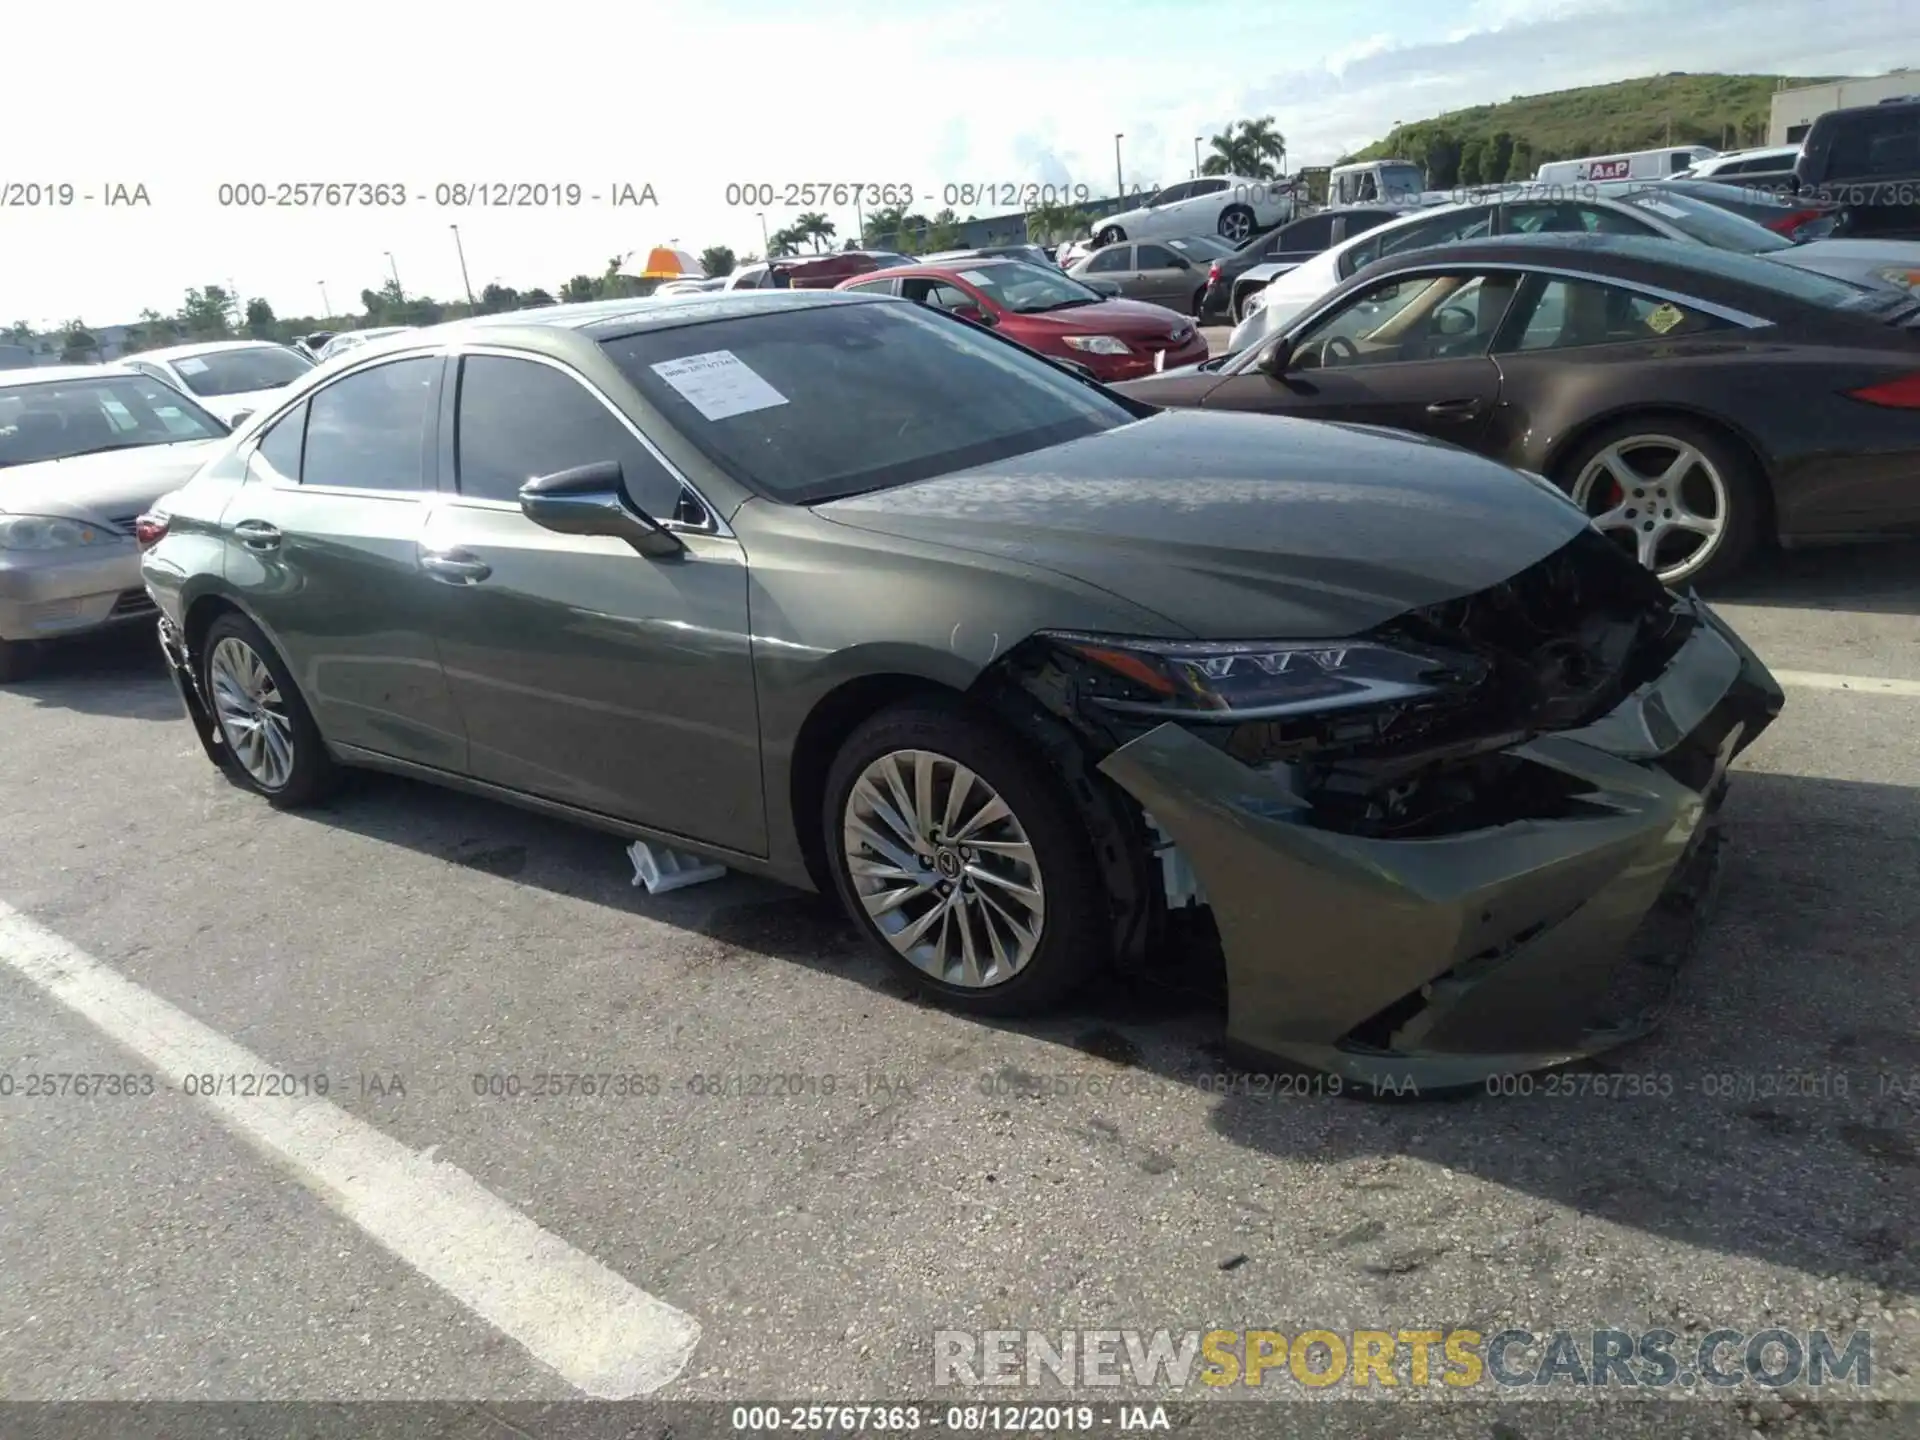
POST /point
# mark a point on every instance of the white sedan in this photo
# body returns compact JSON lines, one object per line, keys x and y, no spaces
{"x":232,"y":378}
{"x":1230,"y":206}
{"x":1648,"y":211}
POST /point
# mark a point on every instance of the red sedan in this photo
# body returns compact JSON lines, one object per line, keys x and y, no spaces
{"x":1050,"y":312}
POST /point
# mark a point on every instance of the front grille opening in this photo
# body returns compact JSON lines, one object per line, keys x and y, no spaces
{"x":1380,"y":1032}
{"x":1449,"y":798}
{"x":132,"y":602}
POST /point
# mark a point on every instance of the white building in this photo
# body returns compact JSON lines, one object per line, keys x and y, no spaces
{"x":1794,"y":111}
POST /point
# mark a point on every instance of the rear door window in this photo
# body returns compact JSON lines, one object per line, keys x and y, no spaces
{"x":370,"y":430}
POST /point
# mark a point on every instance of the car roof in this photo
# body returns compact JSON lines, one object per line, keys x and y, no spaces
{"x":54,"y":374}
{"x":613,"y":319}
{"x":1650,"y":259}
{"x":208,"y":347}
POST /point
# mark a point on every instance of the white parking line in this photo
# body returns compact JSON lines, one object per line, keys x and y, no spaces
{"x":1860,"y":684}
{"x":600,"y":1333}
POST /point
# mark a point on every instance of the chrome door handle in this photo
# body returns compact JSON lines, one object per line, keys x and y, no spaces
{"x":455,"y":567}
{"x":257,"y":535}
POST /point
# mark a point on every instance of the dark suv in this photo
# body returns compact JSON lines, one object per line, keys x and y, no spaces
{"x":1866,"y":162}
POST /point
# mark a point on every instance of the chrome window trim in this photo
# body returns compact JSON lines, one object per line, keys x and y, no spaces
{"x":1300,"y":323}
{"x":716,"y":523}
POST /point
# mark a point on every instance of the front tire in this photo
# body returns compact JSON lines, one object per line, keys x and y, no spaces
{"x":272,"y":745}
{"x":1681,"y":495}
{"x":963,"y":860}
{"x":1112,"y":235}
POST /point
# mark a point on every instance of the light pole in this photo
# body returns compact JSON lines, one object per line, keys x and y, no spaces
{"x":766,"y":245}
{"x":325,"y":303}
{"x":1196,"y":157}
{"x":461,"y":251}
{"x":1119,"y":181}
{"x":394,"y":269}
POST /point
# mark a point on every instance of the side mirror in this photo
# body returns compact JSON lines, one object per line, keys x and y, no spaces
{"x":240,"y":417}
{"x":975,"y":315}
{"x":1108,"y":288}
{"x":1455,"y":321}
{"x":1275,"y":359}
{"x":592,"y":500}
{"x":1180,"y":262}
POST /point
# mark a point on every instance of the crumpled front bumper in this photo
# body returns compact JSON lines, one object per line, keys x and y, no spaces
{"x":173,"y":648}
{"x":1512,"y":948}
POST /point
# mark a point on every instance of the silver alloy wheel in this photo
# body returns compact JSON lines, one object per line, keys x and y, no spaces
{"x":944,"y":869}
{"x":1236,"y":225}
{"x":252,"y":713}
{"x":1661,"y":493}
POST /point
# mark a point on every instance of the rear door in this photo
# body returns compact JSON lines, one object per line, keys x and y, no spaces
{"x":585,"y":672}
{"x":1410,"y":353}
{"x":322,"y":546}
{"x":1162,"y":277}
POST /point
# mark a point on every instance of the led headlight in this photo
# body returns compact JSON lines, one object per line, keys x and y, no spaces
{"x":49,"y":532}
{"x":1097,"y":344}
{"x":1905,"y":276}
{"x":1232,"y":680}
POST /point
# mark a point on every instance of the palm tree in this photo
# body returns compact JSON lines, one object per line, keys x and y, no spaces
{"x":783,"y":243}
{"x":716,"y":260}
{"x":1252,"y":148}
{"x":885,"y":224}
{"x":1048,"y":224}
{"x":814,"y":227}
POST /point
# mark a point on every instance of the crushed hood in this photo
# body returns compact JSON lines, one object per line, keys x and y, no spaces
{"x":1242,"y":526}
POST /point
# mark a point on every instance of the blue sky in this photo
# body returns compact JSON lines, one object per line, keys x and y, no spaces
{"x":691,"y":97}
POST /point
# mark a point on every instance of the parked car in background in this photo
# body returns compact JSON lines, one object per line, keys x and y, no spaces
{"x":693,"y":287}
{"x":1231,"y":206}
{"x":1375,"y":182}
{"x":1165,"y":272}
{"x":1648,"y":211}
{"x":353,"y":339}
{"x":1232,"y":278}
{"x":84,"y":449}
{"x":1866,"y":160}
{"x":1781,"y":212}
{"x":229,"y":377}
{"x":1032,"y":254}
{"x":1051,"y":313}
{"x":814,"y":272}
{"x":1767,"y":165}
{"x":991,"y":665}
{"x":1694,"y":402}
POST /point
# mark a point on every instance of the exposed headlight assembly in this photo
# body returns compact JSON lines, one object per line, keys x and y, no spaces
{"x":1097,"y":344}
{"x":1905,"y":276}
{"x":1236,"y":680}
{"x":50,"y":532}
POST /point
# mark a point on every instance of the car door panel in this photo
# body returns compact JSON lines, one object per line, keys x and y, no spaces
{"x":329,"y":571}
{"x":1157,"y":279}
{"x":1448,"y":399}
{"x":585,"y":672}
{"x":592,"y":675}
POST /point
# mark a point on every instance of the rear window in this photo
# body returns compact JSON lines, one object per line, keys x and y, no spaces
{"x":818,"y":403}
{"x":1877,"y":145}
{"x":1772,"y":275}
{"x":234,"y":372}
{"x":1709,"y":224}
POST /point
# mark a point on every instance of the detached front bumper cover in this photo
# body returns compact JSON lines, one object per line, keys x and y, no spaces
{"x":1441,"y":961}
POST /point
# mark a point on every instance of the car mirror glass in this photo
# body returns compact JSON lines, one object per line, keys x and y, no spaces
{"x":1276,"y":359}
{"x":240,"y":417}
{"x":592,"y":500}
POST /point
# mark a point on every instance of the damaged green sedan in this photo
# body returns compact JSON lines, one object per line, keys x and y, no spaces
{"x":850,"y":593}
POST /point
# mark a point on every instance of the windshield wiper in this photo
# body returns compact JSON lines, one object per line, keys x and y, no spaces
{"x":1062,"y":305}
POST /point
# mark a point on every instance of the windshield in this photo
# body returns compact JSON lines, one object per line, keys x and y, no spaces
{"x":1028,"y":289}
{"x":233,"y":372}
{"x":833,"y":400}
{"x":1709,"y":224}
{"x":56,"y":420}
{"x":1403,"y":179}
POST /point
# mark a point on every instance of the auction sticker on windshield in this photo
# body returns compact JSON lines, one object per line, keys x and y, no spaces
{"x":1672,"y":212}
{"x":974,"y":277}
{"x":191,"y":366}
{"x":719,"y":384}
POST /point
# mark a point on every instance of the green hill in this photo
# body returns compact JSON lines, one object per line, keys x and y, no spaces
{"x":1510,"y":141}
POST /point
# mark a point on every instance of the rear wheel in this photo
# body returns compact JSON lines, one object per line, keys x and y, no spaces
{"x":273,"y":746}
{"x":1236,"y":224}
{"x":1112,"y":235}
{"x":1680,"y":495}
{"x":963,"y":860}
{"x":18,"y":660}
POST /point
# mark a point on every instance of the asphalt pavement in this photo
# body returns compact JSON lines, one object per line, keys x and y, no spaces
{"x":801,"y":1174}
